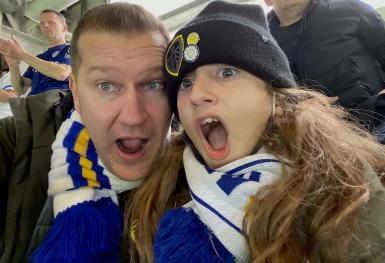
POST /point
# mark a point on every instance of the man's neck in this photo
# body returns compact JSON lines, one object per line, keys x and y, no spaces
{"x":291,"y":15}
{"x":56,"y":42}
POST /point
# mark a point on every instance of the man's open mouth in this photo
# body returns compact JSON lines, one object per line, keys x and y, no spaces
{"x":131,"y":146}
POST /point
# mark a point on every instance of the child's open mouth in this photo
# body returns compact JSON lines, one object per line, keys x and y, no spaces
{"x":216,"y":137}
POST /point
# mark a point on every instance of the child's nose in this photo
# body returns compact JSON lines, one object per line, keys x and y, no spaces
{"x":201,"y":92}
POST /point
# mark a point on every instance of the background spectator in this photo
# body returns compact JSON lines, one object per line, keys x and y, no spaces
{"x":336,"y":46}
{"x":49,"y":70}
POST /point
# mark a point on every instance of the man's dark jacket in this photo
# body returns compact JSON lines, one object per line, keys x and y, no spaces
{"x":25,"y":155}
{"x":342,"y":47}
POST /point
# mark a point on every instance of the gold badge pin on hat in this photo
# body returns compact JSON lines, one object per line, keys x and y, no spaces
{"x":191,"y":52}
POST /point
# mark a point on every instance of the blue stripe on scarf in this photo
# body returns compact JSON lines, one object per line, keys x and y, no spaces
{"x":203,"y":203}
{"x":242,"y":167}
{"x":247,"y":165}
{"x":91,"y":152}
{"x":73,"y":158}
{"x":70,"y":139}
{"x":103,"y":180}
{"x":75,"y":169}
{"x":229,"y":182}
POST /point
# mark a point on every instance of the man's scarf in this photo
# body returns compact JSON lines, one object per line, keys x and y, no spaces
{"x":88,"y":223}
{"x":219,"y":198}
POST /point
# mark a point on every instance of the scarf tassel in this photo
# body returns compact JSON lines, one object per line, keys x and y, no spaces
{"x":87,"y":232}
{"x":182,"y":237}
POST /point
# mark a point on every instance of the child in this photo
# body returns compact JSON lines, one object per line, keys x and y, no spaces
{"x":275,"y":173}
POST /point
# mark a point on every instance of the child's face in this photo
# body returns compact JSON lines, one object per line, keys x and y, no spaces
{"x":224,"y":111}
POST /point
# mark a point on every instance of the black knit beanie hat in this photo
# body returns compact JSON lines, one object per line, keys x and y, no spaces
{"x":228,"y":33}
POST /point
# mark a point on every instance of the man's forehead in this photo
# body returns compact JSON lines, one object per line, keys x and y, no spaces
{"x":49,"y":15}
{"x":103,"y":51}
{"x":104,"y":44}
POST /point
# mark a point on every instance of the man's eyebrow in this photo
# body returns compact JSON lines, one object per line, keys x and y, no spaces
{"x":101,"y":68}
{"x":158,"y":69}
{"x":152,"y":70}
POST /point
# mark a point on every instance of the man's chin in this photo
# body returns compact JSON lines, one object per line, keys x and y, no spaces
{"x":129,"y":172}
{"x":50,"y":38}
{"x":133,"y":175}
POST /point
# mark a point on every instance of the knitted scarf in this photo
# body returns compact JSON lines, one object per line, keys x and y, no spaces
{"x":219,"y":198}
{"x":88,"y":221}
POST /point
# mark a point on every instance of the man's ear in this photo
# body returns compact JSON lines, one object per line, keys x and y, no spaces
{"x":269,"y":2}
{"x":74,"y":90}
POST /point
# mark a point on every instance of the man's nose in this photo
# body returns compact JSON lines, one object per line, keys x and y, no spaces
{"x":133,"y":109}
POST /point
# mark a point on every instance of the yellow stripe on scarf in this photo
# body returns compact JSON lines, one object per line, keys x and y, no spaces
{"x":81,"y":146}
{"x":81,"y":143}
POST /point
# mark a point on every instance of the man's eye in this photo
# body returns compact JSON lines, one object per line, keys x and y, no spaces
{"x":185,"y":84}
{"x":227,"y":73}
{"x":154,"y":85}
{"x":105,"y":86}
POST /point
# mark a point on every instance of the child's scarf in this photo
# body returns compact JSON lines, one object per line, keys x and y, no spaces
{"x":88,"y":223}
{"x":219,"y":199}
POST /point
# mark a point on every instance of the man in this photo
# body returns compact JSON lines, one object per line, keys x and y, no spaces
{"x":117,"y":86}
{"x":49,"y":70}
{"x":335,"y":46}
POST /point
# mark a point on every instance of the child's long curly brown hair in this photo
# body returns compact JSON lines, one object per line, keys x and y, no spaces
{"x":308,"y":215}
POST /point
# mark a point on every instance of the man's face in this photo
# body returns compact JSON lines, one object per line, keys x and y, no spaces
{"x":52,"y":27}
{"x":118,"y":90}
{"x":281,"y":6}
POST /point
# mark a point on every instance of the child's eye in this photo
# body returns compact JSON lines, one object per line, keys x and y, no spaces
{"x":185,"y":84}
{"x":105,"y":86}
{"x":227,"y":73}
{"x":154,"y":85}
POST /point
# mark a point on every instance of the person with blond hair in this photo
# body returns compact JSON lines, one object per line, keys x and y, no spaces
{"x":69,"y":162}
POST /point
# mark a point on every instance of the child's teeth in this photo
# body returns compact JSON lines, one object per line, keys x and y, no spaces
{"x":209,"y":120}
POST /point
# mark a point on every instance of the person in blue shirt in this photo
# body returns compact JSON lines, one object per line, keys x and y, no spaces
{"x":47,"y":71}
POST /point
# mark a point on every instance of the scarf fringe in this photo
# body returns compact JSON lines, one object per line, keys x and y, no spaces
{"x":172,"y":246}
{"x":87,"y":232}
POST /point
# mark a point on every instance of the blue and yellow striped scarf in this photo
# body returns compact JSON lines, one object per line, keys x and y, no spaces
{"x":88,"y":223}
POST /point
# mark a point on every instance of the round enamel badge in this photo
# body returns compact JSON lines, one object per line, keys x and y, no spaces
{"x":191,"y":53}
{"x":193,"y":38}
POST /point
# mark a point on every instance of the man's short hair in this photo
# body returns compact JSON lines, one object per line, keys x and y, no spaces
{"x":121,"y":18}
{"x":59,"y":15}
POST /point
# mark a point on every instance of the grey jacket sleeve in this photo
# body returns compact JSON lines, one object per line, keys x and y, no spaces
{"x":7,"y":145}
{"x":372,"y":31}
